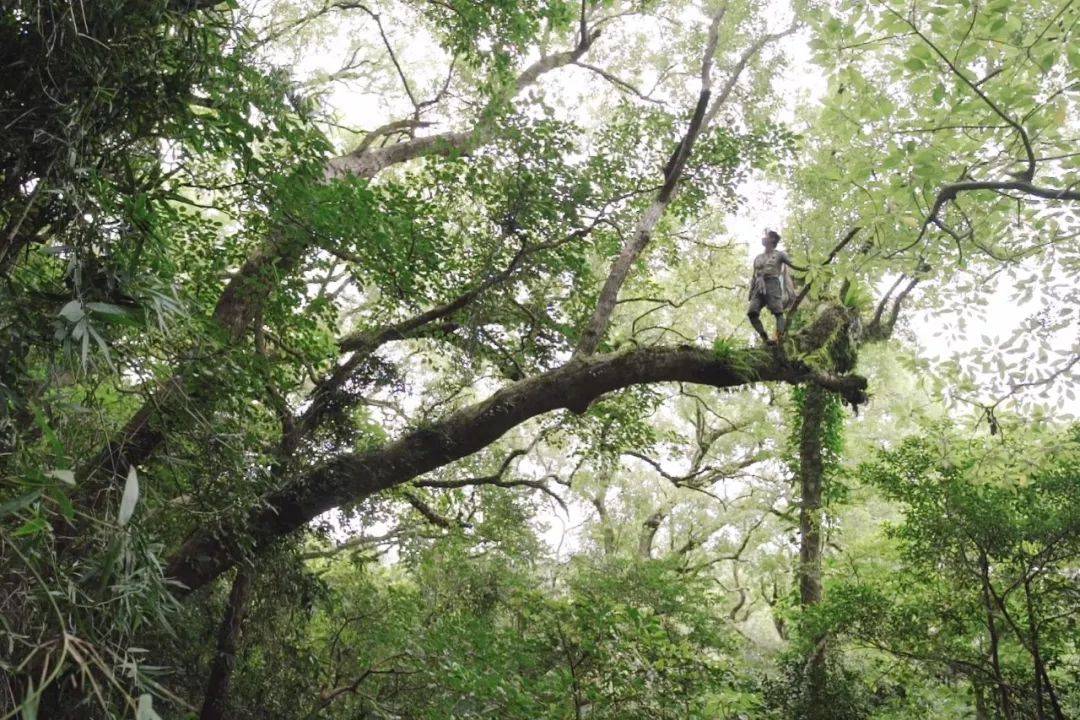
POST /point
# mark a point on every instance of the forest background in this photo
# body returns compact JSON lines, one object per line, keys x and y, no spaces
{"x":390,"y":360}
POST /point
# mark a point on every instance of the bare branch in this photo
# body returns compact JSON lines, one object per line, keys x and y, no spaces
{"x":618,"y":82}
{"x":496,"y":479}
{"x":360,"y":541}
{"x":366,"y":162}
{"x":677,"y":480}
{"x":710,"y":47}
{"x":951,"y":191}
{"x":740,"y":66}
{"x":878,"y":330}
{"x":428,"y":512}
{"x":393,"y":56}
{"x":733,"y":556}
{"x":389,"y":129}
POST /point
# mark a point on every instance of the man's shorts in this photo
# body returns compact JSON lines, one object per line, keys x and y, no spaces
{"x":772,"y":298}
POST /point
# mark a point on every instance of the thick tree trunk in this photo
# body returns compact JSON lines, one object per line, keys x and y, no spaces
{"x":811,"y":476}
{"x":242,"y":300}
{"x":980,"y":702}
{"x":703,"y":115}
{"x":217,"y":686}
{"x":607,"y":532}
{"x":648,"y":534}
{"x":643,"y":231}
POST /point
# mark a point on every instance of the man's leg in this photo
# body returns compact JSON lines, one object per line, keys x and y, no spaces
{"x":774,"y":301}
{"x":754,"y":313}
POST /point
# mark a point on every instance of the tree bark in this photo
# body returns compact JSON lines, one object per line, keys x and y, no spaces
{"x":370,"y":161}
{"x":811,"y":476}
{"x":620,"y":268}
{"x":1036,"y":658}
{"x":991,"y":626}
{"x":207,"y":553}
{"x":217,"y":686}
{"x":1042,"y":677}
{"x":1042,"y":683}
{"x":980,"y":702}
{"x":648,"y":533}
{"x":607,"y":532}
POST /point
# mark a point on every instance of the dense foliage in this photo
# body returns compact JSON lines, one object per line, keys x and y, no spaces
{"x":388,"y":360}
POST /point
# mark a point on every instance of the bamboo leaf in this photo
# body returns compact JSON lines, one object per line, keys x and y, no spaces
{"x":129,"y":498}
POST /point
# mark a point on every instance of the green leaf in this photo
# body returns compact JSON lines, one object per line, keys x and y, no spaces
{"x":101,"y":344}
{"x":112,"y":313}
{"x":145,"y":709}
{"x":63,"y":502}
{"x":914,"y":64}
{"x":30,"y":704}
{"x":72,"y":312}
{"x":65,"y":476}
{"x":108,"y":308}
{"x":129,"y":498}
{"x":939,"y":93}
{"x":923,"y":53}
{"x":31,"y":527}
{"x":19,"y":503}
{"x":42,"y":422}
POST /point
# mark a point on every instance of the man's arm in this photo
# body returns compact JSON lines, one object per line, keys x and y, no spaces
{"x":787,"y":261}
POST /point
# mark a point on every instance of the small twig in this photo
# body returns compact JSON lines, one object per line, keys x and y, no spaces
{"x":618,"y":82}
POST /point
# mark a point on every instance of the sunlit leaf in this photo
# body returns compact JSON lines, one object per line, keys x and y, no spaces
{"x":129,"y":498}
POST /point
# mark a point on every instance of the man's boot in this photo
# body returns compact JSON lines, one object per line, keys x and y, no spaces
{"x":781,"y":326}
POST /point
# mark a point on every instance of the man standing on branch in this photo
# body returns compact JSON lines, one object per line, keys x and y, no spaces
{"x":771,"y":286}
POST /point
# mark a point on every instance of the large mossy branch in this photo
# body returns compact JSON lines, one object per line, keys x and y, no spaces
{"x":348,"y":478}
